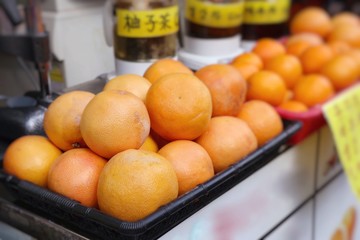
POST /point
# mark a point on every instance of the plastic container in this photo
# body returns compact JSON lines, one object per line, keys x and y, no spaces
{"x":93,"y":223}
{"x":311,"y":120}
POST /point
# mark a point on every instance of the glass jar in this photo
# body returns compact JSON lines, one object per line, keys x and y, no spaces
{"x":211,"y":32}
{"x":213,"y":18}
{"x":145,"y":30}
{"x":264,"y":18}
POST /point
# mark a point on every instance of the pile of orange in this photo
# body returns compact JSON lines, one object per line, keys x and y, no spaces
{"x":318,"y":59}
{"x":145,"y":140}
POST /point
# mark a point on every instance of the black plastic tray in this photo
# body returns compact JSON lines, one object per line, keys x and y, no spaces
{"x":97,"y":225}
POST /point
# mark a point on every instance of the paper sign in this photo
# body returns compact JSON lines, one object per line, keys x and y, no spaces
{"x":343,"y":117}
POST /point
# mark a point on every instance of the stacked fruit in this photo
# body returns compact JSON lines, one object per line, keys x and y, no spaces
{"x":319,"y":58}
{"x":145,"y":140}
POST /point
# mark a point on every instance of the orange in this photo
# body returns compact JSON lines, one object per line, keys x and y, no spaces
{"x":160,"y":141}
{"x":75,"y":174}
{"x":306,"y":37}
{"x":313,"y":89}
{"x":114,"y":121}
{"x":62,"y":119}
{"x":287,"y":66}
{"x":267,"y":48}
{"x":342,"y":71}
{"x":345,"y":229}
{"x":179,"y":106}
{"x":228,"y":140}
{"x":149,"y":144}
{"x":245,"y":69}
{"x":247,"y":64}
{"x":339,"y":47}
{"x":293,"y":106}
{"x":289,"y":95}
{"x":165,"y":66}
{"x":345,"y":18}
{"x":191,"y":162}
{"x":29,"y":158}
{"x":249,"y":58}
{"x":315,"y":57}
{"x":355,"y":54}
{"x":267,"y":86}
{"x":339,"y":234}
{"x":349,"y":220}
{"x":227,"y":88}
{"x":347,"y":33}
{"x":135,"y":183}
{"x":313,"y":20}
{"x":297,"y":48}
{"x":266,"y":127}
{"x":133,"y":83}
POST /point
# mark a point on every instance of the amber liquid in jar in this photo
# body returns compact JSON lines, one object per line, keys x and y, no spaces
{"x":144,"y":48}
{"x":200,"y":31}
{"x":255,"y":31}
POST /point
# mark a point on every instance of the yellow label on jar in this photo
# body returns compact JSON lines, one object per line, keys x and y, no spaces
{"x":266,"y":11}
{"x":147,"y":23}
{"x":217,"y":15}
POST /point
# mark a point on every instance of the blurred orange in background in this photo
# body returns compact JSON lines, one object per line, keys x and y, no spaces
{"x":267,"y":48}
{"x":315,"y":57}
{"x":313,"y":89}
{"x":308,"y":37}
{"x":293,"y":106}
{"x":341,"y":70}
{"x":339,"y":47}
{"x":267,"y":86}
{"x":347,"y":33}
{"x":345,"y":18}
{"x":297,"y":48}
{"x":249,"y":58}
{"x":313,"y":20}
{"x":247,"y":64}
{"x":287,"y":66}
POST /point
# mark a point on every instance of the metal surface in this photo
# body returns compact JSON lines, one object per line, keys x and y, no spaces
{"x":35,"y":27}
{"x":33,"y":225}
{"x":94,"y":86}
{"x":11,"y":11}
{"x":33,"y":46}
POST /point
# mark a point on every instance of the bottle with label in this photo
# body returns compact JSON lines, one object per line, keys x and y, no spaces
{"x":213,"y":19}
{"x":264,"y":18}
{"x":211,"y":31}
{"x":144,"y":31}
